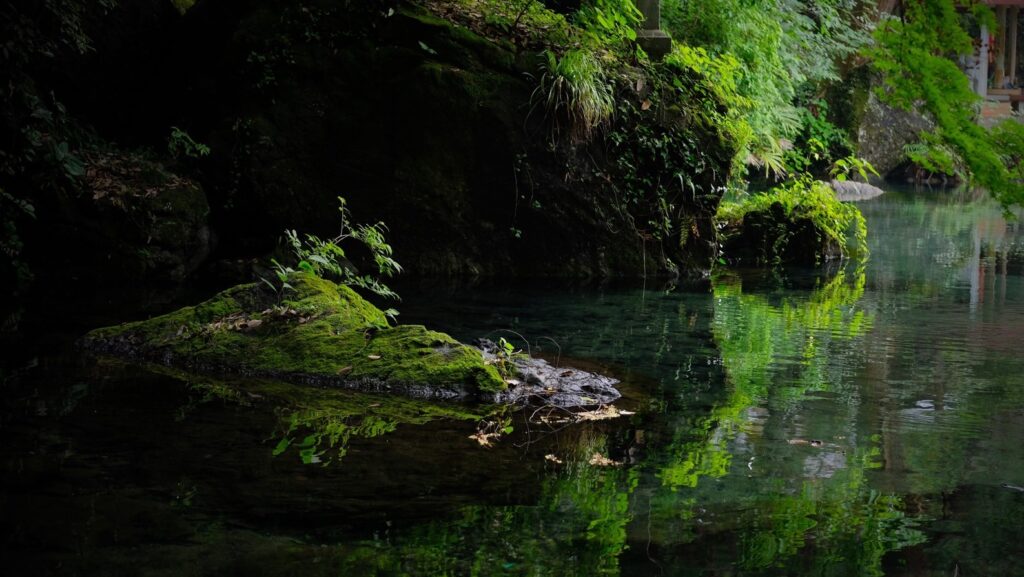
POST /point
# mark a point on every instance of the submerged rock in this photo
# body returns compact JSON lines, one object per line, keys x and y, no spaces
{"x":324,"y":334}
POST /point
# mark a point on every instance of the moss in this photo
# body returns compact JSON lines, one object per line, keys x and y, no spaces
{"x":319,"y":332}
{"x":453,"y":41}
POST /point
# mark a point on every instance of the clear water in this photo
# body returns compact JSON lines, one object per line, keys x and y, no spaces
{"x":866,"y":421}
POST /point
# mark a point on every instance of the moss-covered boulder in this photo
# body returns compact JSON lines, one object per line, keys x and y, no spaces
{"x":317,"y":332}
{"x":771,"y":236}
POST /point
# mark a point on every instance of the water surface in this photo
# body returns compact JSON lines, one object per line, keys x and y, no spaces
{"x":864,"y":420}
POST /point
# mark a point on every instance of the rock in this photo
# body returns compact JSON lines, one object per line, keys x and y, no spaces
{"x":850,"y":191}
{"x":773,"y":238}
{"x":316,"y":334}
{"x":324,"y":334}
{"x":883,"y":133}
{"x":539,"y":382}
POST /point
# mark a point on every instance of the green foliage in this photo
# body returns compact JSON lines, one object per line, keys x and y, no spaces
{"x":526,"y":22}
{"x":806,"y":198}
{"x":181,"y":145}
{"x":915,"y":55}
{"x":818,"y":143}
{"x":657,"y":169}
{"x":13,"y":210}
{"x":843,"y":168}
{"x":183,"y":5}
{"x":575,"y":93}
{"x":610,"y":23}
{"x":326,"y":258}
{"x":504,"y":357}
{"x":37,"y":141}
{"x":782,"y":46}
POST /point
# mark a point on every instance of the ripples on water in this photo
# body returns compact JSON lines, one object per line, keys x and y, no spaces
{"x":864,"y":422}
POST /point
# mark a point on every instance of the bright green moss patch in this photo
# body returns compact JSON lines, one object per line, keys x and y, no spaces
{"x":319,"y":332}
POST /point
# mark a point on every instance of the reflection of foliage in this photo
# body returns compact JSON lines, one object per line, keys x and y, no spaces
{"x":585,"y":511}
{"x":318,"y":423}
{"x":851,"y":525}
{"x":329,"y":431}
{"x":754,"y":334}
{"x":699,"y":449}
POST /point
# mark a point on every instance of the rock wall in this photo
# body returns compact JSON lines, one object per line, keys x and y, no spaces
{"x":424,"y":125}
{"x":883,"y":133}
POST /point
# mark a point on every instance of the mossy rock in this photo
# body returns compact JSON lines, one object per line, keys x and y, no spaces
{"x":316,"y":333}
{"x":771,"y":237}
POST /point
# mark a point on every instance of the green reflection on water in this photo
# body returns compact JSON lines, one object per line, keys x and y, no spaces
{"x":870,"y":424}
{"x":587,"y":518}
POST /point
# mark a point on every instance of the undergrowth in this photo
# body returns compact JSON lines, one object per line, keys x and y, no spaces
{"x":805,"y":198}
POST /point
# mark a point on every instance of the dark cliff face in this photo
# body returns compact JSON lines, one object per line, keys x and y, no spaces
{"x":426,"y":126}
{"x":417,"y":122}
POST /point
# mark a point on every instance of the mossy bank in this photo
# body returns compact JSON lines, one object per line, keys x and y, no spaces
{"x":315,"y":333}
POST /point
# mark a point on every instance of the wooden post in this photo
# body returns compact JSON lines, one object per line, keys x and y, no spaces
{"x":1012,"y":70}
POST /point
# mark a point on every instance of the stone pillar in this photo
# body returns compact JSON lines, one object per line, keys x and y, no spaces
{"x":1011,"y":71}
{"x":980,"y":79}
{"x":1000,"y":74}
{"x":651,"y":38}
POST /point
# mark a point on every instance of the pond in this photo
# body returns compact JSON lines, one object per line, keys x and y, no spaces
{"x":865,"y":420}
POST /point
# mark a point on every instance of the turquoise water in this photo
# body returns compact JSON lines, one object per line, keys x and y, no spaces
{"x":866,"y":420}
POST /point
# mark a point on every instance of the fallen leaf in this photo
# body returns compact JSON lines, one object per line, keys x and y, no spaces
{"x":553,"y":459}
{"x":345,"y":370}
{"x":645,"y":105}
{"x":599,"y":460}
{"x":484,"y":438}
{"x":373,"y":357}
{"x":603,"y":413}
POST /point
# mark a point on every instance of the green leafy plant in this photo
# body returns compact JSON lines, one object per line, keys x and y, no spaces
{"x":504,"y":358}
{"x":327,"y":258}
{"x":183,"y":6}
{"x":610,"y":23}
{"x":782,"y":46}
{"x":802,"y":197}
{"x":844,"y":168}
{"x":180,"y":145}
{"x":818,"y":143}
{"x":575,"y":93}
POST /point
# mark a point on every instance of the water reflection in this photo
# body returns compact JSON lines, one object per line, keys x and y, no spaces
{"x":862,"y":422}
